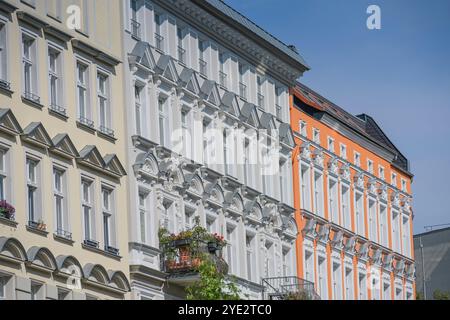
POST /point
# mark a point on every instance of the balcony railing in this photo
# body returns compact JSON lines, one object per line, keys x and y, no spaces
{"x":64,"y":234}
{"x":112,"y":250}
{"x":32,"y":97}
{"x":159,"y":42}
{"x":136,"y":29}
{"x":260,"y":101}
{"x":37,"y":225}
{"x":106,"y":130}
{"x":85,"y":121}
{"x":58,"y":109}
{"x":242,"y":91}
{"x":202,"y":67}
{"x":91,"y":243}
{"x":288,"y":288}
{"x":5,"y":84}
{"x":223,"y":79}
{"x":182,"y":55}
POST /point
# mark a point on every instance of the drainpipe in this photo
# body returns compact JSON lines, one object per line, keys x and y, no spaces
{"x":423,"y":270}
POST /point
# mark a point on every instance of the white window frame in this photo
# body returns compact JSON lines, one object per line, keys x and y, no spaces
{"x":4,"y":53}
{"x":333,"y":204}
{"x":357,"y":159}
{"x":302,"y":127}
{"x":56,"y":78}
{"x":309,"y":273}
{"x":394,"y":179}
{"x":143,"y":215}
{"x":383,"y":225}
{"x":349,"y":282}
{"x":108,"y":210}
{"x":404,"y":185}
{"x":60,"y":194}
{"x":343,"y":151}
{"x":4,"y":173}
{"x":370,"y":166}
{"x":318,"y":182}
{"x":30,"y":84}
{"x":372,"y":215}
{"x":104,"y":102}
{"x":305,"y":186}
{"x":330,"y":144}
{"x":360,"y":214}
{"x":345,"y":207}
{"x":322,"y":276}
{"x":88,"y":209}
{"x":316,"y":135}
{"x":381,"y":173}
{"x":34,"y":214}
{"x":336,"y":276}
{"x":250,"y":255}
{"x":83,"y":85}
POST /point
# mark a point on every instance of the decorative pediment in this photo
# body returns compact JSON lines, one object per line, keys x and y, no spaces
{"x":234,"y":201}
{"x":194,"y":183}
{"x":36,"y":133}
{"x":62,"y":144}
{"x":289,"y":228}
{"x":113,"y":165}
{"x":142,"y":55}
{"x":146,"y":166}
{"x":188,"y":80}
{"x":91,"y":156}
{"x":165,"y":67}
{"x":210,"y":92}
{"x":230,"y":103}
{"x":9,"y":123}
{"x":249,"y":115}
{"x":286,"y":134}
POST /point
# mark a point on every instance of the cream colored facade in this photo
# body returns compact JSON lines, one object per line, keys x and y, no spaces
{"x":61,"y":95}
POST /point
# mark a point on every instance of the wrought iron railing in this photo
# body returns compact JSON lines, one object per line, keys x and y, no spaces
{"x":32,"y":97}
{"x":288,"y":288}
{"x":86,"y":122}
{"x":91,"y":243}
{"x":58,"y":109}
{"x":64,"y":234}
{"x":135,"y":29}
{"x":5,"y":84}
{"x":106,"y":130}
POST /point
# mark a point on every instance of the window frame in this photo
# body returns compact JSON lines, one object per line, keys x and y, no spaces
{"x":58,"y":75}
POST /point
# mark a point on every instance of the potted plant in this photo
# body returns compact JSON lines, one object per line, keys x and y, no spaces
{"x":6,"y":210}
{"x":41,"y":225}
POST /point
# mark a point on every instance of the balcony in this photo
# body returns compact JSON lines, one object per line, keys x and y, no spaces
{"x":202,"y":65}
{"x":261,"y":101}
{"x":242,"y":91}
{"x":288,"y":288}
{"x":159,"y":42}
{"x":136,"y":29}
{"x":182,"y":254}
{"x":223,"y":79}
{"x":182,"y":55}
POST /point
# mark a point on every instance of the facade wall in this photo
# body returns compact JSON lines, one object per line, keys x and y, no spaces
{"x":351,"y":214}
{"x":45,"y":139}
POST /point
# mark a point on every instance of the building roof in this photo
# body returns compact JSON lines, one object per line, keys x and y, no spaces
{"x":363,"y":124}
{"x":245,"y":22}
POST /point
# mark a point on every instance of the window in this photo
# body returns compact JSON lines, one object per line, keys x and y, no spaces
{"x":357,"y":159}
{"x":59,"y":198}
{"x":55,"y":80}
{"x":362,"y":284}
{"x":337,"y":280}
{"x":309,"y":266}
{"x":316,"y":135}
{"x":162,"y":121}
{"x":4,"y":180}
{"x":259,"y":87}
{"x":406,"y":236}
{"x":138,"y":108}
{"x":343,"y":151}
{"x":63,"y":294}
{"x":403,"y":182}
{"x":359,"y":211}
{"x":383,"y":226}
{"x":330,"y":144}
{"x":269,"y":260}
{"x":322,"y":286}
{"x":181,"y":50}
{"x":398,"y":293}
{"x":333,"y":201}
{"x":372,"y":220}
{"x":143,"y":216}
{"x":231,"y":248}
{"x":394,"y":179}
{"x":107,"y":211}
{"x":222,"y":74}
{"x":3,"y":57}
{"x":286,"y":262}
{"x":348,"y":282}
{"x":251,"y":259}
{"x":370,"y":166}
{"x":285,"y":182}
{"x":36,"y":291}
{"x":3,"y":282}
{"x":279,"y":93}
{"x":33,"y":191}
{"x":84,"y":111}
{"x":202,"y":64}
{"x":305,"y":188}
{"x":318,"y":193}
{"x":88,"y":209}
{"x":247,"y":173}
{"x":302,"y":128}
{"x":135,"y":25}
{"x":242,"y":86}
{"x":189,"y":215}
{"x":159,"y":39}
{"x":395,"y":231}
{"x":381,"y":172}
{"x":386,"y":291}
{"x":186,"y":136}
{"x":104,"y":104}
{"x":347,"y":222}
{"x":29,"y":65}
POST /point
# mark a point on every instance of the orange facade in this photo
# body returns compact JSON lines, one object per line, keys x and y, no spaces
{"x":352,"y":204}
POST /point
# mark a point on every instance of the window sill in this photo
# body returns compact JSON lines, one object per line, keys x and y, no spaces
{"x":63,"y":239}
{"x":86,"y":127}
{"x":32,"y":103}
{"x":102,"y":252}
{"x":6,"y":90}
{"x":9,"y":222}
{"x":37,"y":231}
{"x":58,"y":114}
{"x":106,"y":136}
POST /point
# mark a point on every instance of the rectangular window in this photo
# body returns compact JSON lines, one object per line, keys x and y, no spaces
{"x":337,"y":280}
{"x":159,"y":39}
{"x":395,"y":231}
{"x":394,"y":179}
{"x":135,"y":24}
{"x":318,"y":194}
{"x":88,"y":209}
{"x":55,"y":80}
{"x":231,"y":248}
{"x":162,"y":121}
{"x":4,"y":83}
{"x":403,"y":182}
{"x":331,"y":144}
{"x":29,"y":65}
{"x":322,"y":285}
{"x":251,"y":258}
{"x":279,"y":103}
{"x":37,"y":291}
{"x":84,"y":108}
{"x":406,"y":236}
{"x":138,"y":108}
{"x":346,"y":207}
{"x":3,"y":282}
{"x":302,"y":128}
{"x":104,"y":104}
{"x":286,"y":263}
{"x":186,"y":137}
{"x":63,"y":294}
{"x":357,"y":159}
{"x":359,"y":211}
{"x":373,"y":230}
{"x":333,"y":200}
{"x":107,"y":211}
{"x":309,"y":266}
{"x":59,"y":198}
{"x":316,"y":135}
{"x":33,"y":191}
{"x":383,"y":226}
{"x":181,"y":50}
{"x":305,"y":182}
{"x":143,"y":216}
{"x":4,"y":180}
{"x":362,"y":283}
{"x":387,"y":291}
{"x":223,"y":77}
{"x":242,"y":86}
{"x":349,"y":284}
{"x":202,"y":64}
{"x":381,"y":172}
{"x":343,"y":151}
{"x":370,"y":166}
{"x":259,"y":87}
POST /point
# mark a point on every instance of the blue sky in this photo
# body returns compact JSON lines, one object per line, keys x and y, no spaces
{"x":400,"y":75}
